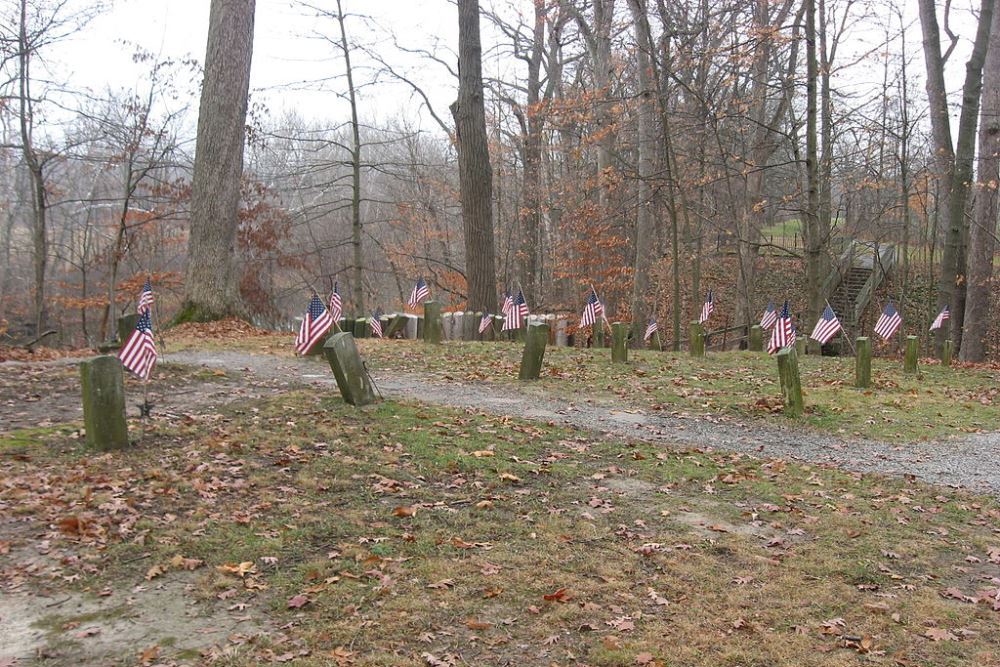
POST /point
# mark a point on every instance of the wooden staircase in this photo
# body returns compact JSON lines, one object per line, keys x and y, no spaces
{"x":852,"y":282}
{"x":845,"y":297}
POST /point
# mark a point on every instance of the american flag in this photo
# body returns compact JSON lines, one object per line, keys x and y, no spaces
{"x":827,"y":327}
{"x":420,"y":292}
{"x":783,"y":333}
{"x":375,"y":321}
{"x":939,"y":320}
{"x":651,"y":328}
{"x":592,"y":310}
{"x":145,"y":298}
{"x":769,"y":317}
{"x":138,"y":354}
{"x":316,"y":322}
{"x":517,"y":314}
{"x":888,"y":323}
{"x":508,"y":302}
{"x":336,"y":303}
{"x":707,"y":308}
{"x":485,"y":323}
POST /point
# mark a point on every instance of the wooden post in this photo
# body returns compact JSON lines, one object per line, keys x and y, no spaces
{"x":102,"y":385}
{"x":756,"y":343}
{"x":863,"y":362}
{"x":534,"y":351}
{"x":910,"y":358}
{"x":946,"y":352}
{"x":696,"y":342}
{"x":432,"y":322}
{"x":791,"y":387}
{"x":619,"y":343}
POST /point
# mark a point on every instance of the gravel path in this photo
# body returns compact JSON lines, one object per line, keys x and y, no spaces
{"x":969,"y":462}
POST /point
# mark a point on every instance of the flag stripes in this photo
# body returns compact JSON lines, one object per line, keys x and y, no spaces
{"x":316,"y":322}
{"x":138,"y":354}
{"x":888,"y":323}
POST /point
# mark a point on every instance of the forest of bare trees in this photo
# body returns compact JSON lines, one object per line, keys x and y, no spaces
{"x":653,"y":148}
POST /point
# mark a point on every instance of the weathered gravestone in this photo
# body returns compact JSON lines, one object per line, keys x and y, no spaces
{"x":534,"y":351}
{"x":562,"y":340}
{"x":696,"y":339}
{"x":410,"y":327}
{"x":912,"y":351}
{"x":756,"y":342}
{"x":862,"y":362}
{"x":791,"y":386}
{"x":432,"y":322}
{"x":396,"y":324}
{"x":348,"y":369}
{"x":361,"y":327}
{"x":619,"y":343}
{"x":470,"y":326}
{"x":946,"y":352}
{"x":102,"y":385}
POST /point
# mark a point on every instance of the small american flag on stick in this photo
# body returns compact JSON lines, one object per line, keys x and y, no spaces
{"x":651,"y":329}
{"x":316,"y":322}
{"x":940,"y":319}
{"x":508,"y":303}
{"x":769,"y":317}
{"x":888,"y":323}
{"x":485,"y":323}
{"x":827,"y":327}
{"x":707,"y":308}
{"x":420,"y":292}
{"x":783,"y":333}
{"x":138,"y":354}
{"x":517,"y":314}
{"x":336,"y":303}
{"x":592,"y":310}
{"x":145,"y":298}
{"x":375,"y":321}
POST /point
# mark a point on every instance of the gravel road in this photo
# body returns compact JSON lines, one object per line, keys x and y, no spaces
{"x":970,"y":462}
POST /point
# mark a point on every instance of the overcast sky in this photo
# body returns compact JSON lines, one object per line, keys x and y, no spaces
{"x":291,"y":58}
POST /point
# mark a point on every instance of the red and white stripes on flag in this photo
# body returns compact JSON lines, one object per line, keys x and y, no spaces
{"x":145,"y":298}
{"x":138,"y":354}
{"x":939,"y":320}
{"x":316,"y":322}
{"x":336,"y":303}
{"x":707,"y":308}
{"x":651,"y":329}
{"x":375,"y":322}
{"x":420,"y":292}
{"x":485,"y":323}
{"x":508,"y":303}
{"x":827,"y":327}
{"x":518,"y":313}
{"x":888,"y":323}
{"x":783,"y":333}
{"x":769,"y":317}
{"x":592,"y":310}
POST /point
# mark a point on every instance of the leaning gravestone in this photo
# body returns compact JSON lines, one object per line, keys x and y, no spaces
{"x":534,"y":351}
{"x":396,"y":324}
{"x":349,"y":370}
{"x":102,"y":385}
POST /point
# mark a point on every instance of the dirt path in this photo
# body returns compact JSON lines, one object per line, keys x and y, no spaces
{"x":968,"y":462}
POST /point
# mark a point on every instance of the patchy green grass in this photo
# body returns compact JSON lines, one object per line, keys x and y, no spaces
{"x":938,"y":402}
{"x":402,"y":534}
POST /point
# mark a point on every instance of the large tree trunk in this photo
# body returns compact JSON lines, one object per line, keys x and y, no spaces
{"x":982,"y":234}
{"x":953,"y":166}
{"x":645,"y":229}
{"x":531,"y":120}
{"x":812,"y":233}
{"x":212,"y":286}
{"x":357,"y":249}
{"x":475,"y":173}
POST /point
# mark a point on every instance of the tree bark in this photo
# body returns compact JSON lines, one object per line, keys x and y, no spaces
{"x":812,"y":233}
{"x":982,"y":234}
{"x":357,"y":249}
{"x":475,"y":172}
{"x":212,"y":285}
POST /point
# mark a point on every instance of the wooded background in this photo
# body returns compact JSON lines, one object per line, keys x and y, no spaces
{"x":652,"y":148}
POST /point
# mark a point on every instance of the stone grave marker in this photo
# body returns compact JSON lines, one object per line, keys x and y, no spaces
{"x":102,"y":384}
{"x":348,"y":369}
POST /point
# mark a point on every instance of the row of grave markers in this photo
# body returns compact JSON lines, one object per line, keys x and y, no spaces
{"x":103,"y":391}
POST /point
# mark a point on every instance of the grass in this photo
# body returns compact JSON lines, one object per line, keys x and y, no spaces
{"x":425,"y":536}
{"x":938,"y":402}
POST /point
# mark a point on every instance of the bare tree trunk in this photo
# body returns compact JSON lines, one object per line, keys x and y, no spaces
{"x":953,"y":166}
{"x":475,"y":172}
{"x":357,"y":275}
{"x":812,"y":234}
{"x":645,"y":230}
{"x":982,"y":234}
{"x":212,"y":285}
